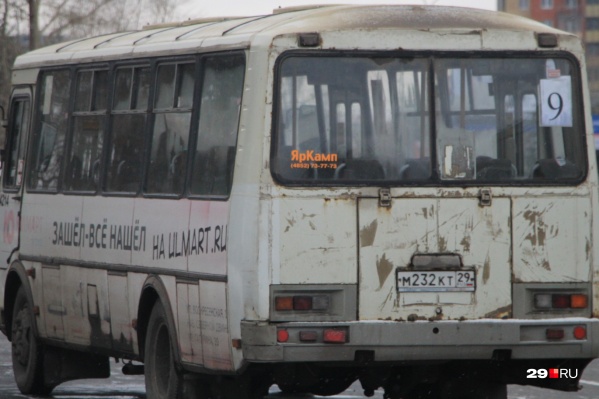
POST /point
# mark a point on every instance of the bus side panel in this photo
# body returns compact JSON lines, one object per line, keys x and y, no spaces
{"x":216,"y":341}
{"x":109,"y":233}
{"x":190,"y":333}
{"x":58,"y":232}
{"x":120,"y":317}
{"x":166,"y":226}
{"x":85,"y":300}
{"x":206,"y":240}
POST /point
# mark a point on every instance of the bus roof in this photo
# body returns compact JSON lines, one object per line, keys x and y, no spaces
{"x":238,"y":32}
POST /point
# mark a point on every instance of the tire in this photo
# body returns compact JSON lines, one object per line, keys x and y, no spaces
{"x":332,"y":385}
{"x":480,"y":390}
{"x":27,"y":351}
{"x":163,"y":381}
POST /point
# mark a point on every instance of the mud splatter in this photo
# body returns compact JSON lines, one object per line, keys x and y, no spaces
{"x":546,"y":265}
{"x":290,"y":224}
{"x":538,"y":234}
{"x":465,"y":243}
{"x":368,"y":233}
{"x":487,"y":269}
{"x":384,"y":267}
{"x":442,"y":244}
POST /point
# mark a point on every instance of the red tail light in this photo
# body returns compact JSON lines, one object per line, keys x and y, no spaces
{"x":560,"y":301}
{"x":554,"y":333}
{"x":302,"y":303}
{"x":580,"y":332}
{"x":282,"y":335}
{"x":335,"y":336}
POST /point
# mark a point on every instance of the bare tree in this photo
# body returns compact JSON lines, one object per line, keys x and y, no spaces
{"x":33,"y":23}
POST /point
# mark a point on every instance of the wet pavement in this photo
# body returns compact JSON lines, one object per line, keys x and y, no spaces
{"x":120,"y":386}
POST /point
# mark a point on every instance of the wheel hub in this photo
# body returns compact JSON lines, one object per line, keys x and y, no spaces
{"x":20,"y":339}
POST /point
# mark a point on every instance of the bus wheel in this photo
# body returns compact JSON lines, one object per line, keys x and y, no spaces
{"x":163,"y":381}
{"x":479,"y":390}
{"x":332,"y":383}
{"x":27,"y":357}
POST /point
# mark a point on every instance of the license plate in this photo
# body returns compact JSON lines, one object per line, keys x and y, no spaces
{"x":436,"y":281}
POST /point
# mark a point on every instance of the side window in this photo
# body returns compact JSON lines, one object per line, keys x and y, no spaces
{"x":129,"y":115}
{"x":170,"y":132}
{"x":212,"y":171}
{"x":89,"y":119}
{"x":49,"y":138}
{"x":19,"y":127}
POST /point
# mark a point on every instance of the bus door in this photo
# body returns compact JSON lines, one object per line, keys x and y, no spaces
{"x":425,"y":250}
{"x":13,"y":169}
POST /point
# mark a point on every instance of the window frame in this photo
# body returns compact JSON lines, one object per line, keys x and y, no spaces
{"x":112,"y":66}
{"x":19,"y":94}
{"x":196,"y":122}
{"x":36,"y":124}
{"x":547,"y":4}
{"x":153,"y":112}
{"x":133,"y":65}
{"x":435,"y":180}
{"x":73,"y":114}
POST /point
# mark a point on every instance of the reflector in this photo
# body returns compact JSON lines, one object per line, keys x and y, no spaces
{"x":334,"y":336}
{"x":308,"y":336}
{"x":580,"y":332}
{"x":554,"y":333}
{"x":282,"y":335}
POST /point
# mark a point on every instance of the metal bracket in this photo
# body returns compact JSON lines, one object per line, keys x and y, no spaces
{"x":385,"y":198}
{"x":485,"y":197}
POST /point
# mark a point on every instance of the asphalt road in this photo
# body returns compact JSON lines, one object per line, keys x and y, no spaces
{"x":120,"y":386}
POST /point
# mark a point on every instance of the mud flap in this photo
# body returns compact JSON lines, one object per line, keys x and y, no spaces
{"x":61,"y":365}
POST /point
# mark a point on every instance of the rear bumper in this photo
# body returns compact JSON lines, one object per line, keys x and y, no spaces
{"x":416,"y":341}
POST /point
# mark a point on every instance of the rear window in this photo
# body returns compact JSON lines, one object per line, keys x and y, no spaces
{"x":431,"y":120}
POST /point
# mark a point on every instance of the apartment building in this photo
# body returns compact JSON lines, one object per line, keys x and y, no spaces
{"x":580,"y":17}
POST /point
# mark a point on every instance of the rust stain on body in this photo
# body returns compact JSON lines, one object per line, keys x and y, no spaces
{"x":500,"y":313}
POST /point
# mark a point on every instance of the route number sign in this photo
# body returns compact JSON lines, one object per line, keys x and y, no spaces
{"x":556,"y":101}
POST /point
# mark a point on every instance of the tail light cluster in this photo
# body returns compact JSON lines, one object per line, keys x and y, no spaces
{"x":337,"y":335}
{"x":559,"y":333}
{"x":284,"y":303}
{"x":548,"y":301}
{"x":313,"y":302}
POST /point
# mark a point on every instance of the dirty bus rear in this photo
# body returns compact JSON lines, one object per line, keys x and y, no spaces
{"x":411,"y":203}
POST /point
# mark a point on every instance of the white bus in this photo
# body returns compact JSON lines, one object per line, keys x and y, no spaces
{"x":400,"y":195}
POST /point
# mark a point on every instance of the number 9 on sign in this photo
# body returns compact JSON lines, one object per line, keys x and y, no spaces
{"x":556,"y":101}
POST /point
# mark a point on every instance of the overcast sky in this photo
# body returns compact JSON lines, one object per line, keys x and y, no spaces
{"x":215,"y":8}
